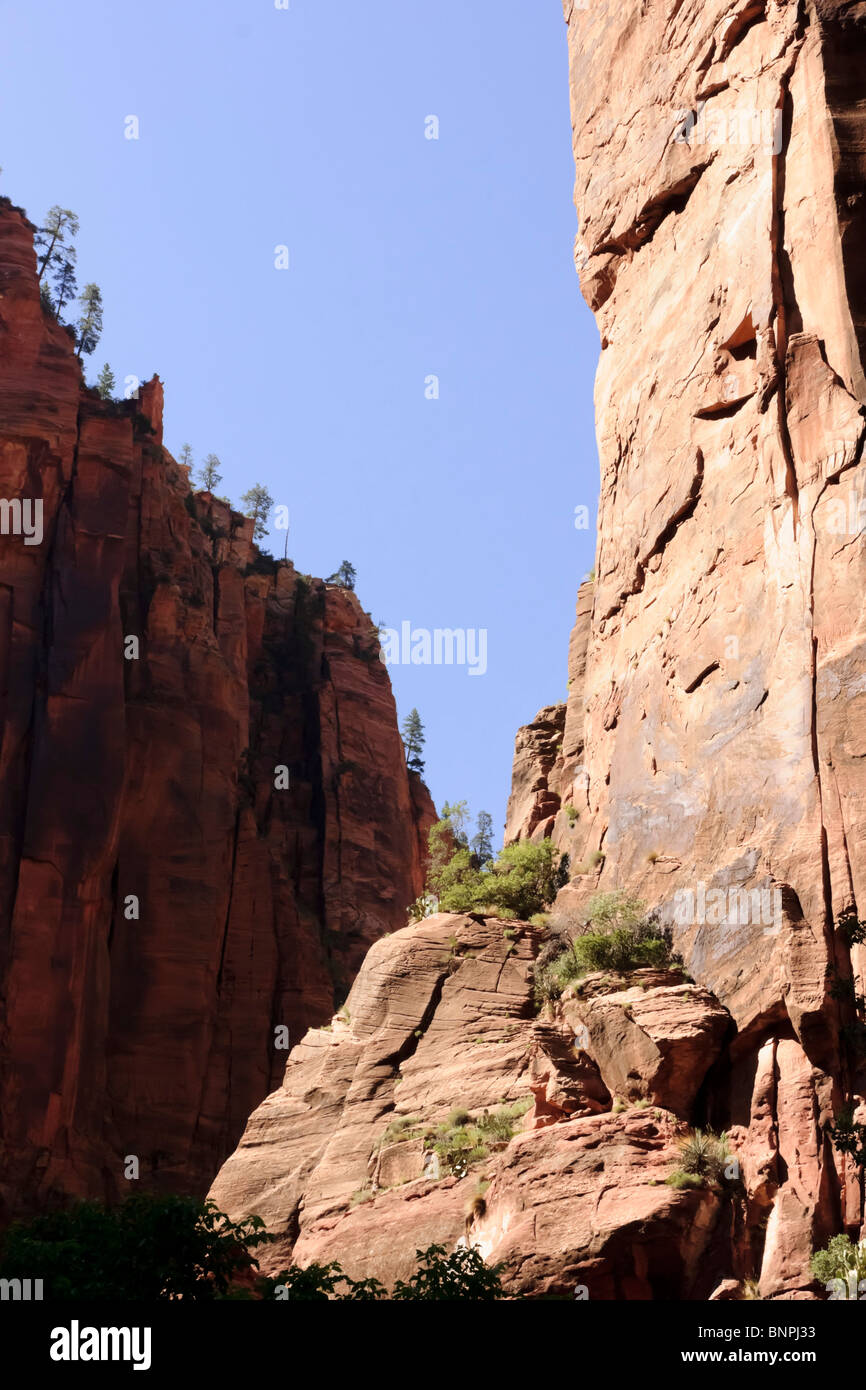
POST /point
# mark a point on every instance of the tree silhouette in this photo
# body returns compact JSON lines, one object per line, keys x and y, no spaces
{"x":413,"y":741}
{"x":56,"y":237}
{"x":257,"y":502}
{"x":89,"y":329}
{"x":344,"y":576}
{"x":482,"y":841}
{"x":105,"y":383}
{"x":210,"y":476}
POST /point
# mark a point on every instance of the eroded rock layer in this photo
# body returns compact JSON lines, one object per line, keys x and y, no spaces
{"x":353,"y":1158}
{"x":166,"y":901}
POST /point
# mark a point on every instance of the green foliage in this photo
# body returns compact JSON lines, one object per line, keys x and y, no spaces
{"x":679,"y":1179}
{"x":462,"y":1140}
{"x":852,"y":930}
{"x":105,"y":383}
{"x":345,"y":576}
{"x":460,"y":1275}
{"x":704,"y":1156}
{"x":849,"y":1137}
{"x":413,"y":737}
{"x":482,"y":841}
{"x":89,"y":329}
{"x":257,"y":502}
{"x":522,"y":880}
{"x":422,"y":907}
{"x":210,"y":477}
{"x":262,"y":564}
{"x":620,"y":938}
{"x":317,"y":1283}
{"x":185,"y":456}
{"x":145,"y":1248}
{"x":56,"y":256}
{"x":840,"y":1260}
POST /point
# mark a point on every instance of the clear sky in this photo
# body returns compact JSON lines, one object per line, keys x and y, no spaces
{"x":408,"y":258}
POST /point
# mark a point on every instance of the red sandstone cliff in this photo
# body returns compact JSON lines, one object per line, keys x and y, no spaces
{"x":154,"y":1035}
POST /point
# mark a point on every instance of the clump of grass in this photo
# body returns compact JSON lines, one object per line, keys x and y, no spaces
{"x":679,"y":1179}
{"x":703,"y":1159}
{"x":463,"y":1140}
{"x":364,"y":1194}
{"x":404,"y":1127}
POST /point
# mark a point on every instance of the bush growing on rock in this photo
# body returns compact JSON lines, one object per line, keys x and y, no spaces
{"x":840,"y":1267}
{"x":704,"y":1158}
{"x":618,"y":935}
{"x":522,"y":880}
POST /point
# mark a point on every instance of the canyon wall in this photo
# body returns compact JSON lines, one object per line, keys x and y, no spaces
{"x":717,"y":713}
{"x":205,"y":813}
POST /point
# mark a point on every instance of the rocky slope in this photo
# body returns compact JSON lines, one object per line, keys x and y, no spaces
{"x":342,"y":1160}
{"x":166,"y":901}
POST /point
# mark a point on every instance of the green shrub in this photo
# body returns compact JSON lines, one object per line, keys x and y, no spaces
{"x":520,"y":882}
{"x":620,"y":938}
{"x":704,"y":1156}
{"x":840,"y":1266}
{"x":462,"y":1275}
{"x":680,"y":1179}
{"x":145,"y":1248}
{"x":462,"y":1141}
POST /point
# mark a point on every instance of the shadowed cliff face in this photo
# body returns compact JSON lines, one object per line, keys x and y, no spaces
{"x":166,"y":902}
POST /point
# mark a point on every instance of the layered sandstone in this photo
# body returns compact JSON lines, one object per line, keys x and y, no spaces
{"x":167,"y":902}
{"x":341,"y":1161}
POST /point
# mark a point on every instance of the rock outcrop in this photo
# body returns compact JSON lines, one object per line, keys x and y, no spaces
{"x":345,"y":1161}
{"x":205,"y":813}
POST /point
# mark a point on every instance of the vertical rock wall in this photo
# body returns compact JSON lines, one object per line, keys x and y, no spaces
{"x":146,"y":1028}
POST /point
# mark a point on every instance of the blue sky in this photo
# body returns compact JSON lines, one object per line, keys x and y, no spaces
{"x":409,"y":257}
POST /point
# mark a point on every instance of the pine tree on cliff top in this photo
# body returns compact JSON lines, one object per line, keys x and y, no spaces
{"x":413,"y":741}
{"x":210,"y":476}
{"x":61,"y":226}
{"x":345,"y":576}
{"x":89,"y":329}
{"x":257,"y":502}
{"x":105,"y":383}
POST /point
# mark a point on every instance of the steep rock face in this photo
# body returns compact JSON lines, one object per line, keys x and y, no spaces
{"x":166,"y":901}
{"x":724,"y":694}
{"x":712,"y":749}
{"x":548,"y":772}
